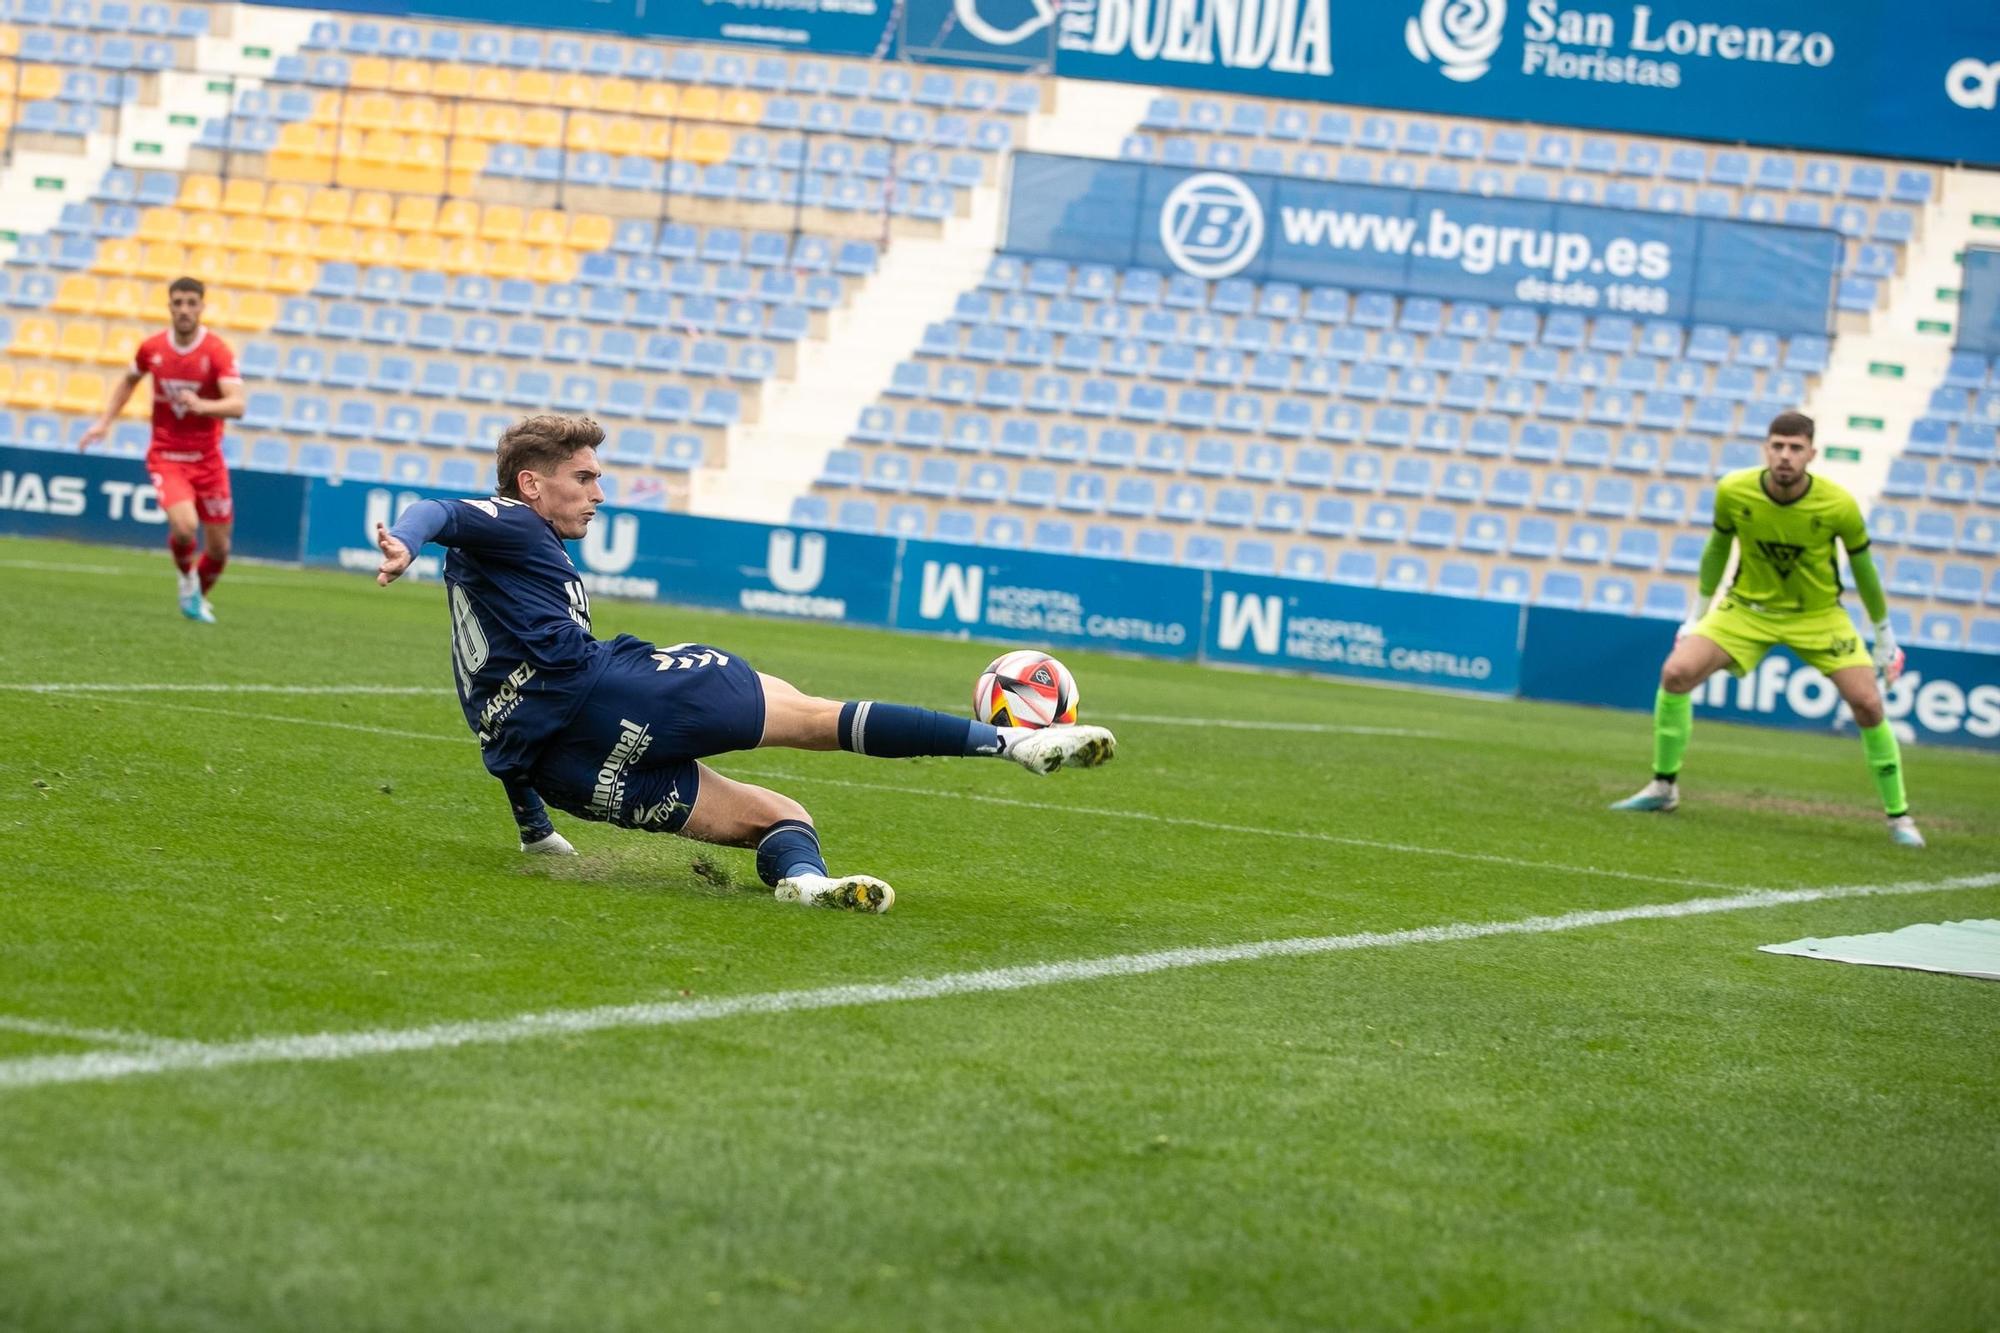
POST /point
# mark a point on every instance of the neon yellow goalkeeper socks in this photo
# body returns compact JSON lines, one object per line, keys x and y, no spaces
{"x":1673,"y":720}
{"x":1885,"y":762}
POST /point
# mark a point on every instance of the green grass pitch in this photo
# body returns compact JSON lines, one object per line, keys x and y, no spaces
{"x":1638,"y":1124}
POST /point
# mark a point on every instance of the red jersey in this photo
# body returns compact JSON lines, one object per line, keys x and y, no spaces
{"x":179,"y":436}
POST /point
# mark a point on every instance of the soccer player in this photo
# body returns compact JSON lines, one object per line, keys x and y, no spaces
{"x":1783,"y":521}
{"x":616,"y":730}
{"x":195,"y":388}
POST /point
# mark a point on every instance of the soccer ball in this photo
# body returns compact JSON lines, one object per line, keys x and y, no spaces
{"x":1025,"y":689}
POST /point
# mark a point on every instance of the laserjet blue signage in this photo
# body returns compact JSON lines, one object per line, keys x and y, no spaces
{"x":92,"y":498}
{"x":1051,"y":600}
{"x":1212,"y":224}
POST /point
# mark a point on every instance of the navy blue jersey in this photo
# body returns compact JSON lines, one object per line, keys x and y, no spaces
{"x":521,"y":651}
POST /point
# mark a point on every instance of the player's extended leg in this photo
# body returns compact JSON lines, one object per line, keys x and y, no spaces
{"x":1878,"y":740}
{"x":214,"y":555}
{"x":182,"y":541}
{"x":799,"y":721}
{"x":1694,"y":659}
{"x":739,"y":814}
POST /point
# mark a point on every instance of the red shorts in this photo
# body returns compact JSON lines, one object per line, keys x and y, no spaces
{"x":205,"y":482}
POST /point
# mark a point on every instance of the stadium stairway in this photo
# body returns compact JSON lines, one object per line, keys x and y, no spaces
{"x":778,"y":457}
{"x":1884,"y":366}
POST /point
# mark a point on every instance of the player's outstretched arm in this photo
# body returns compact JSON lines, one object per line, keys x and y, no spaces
{"x":1887,"y":654}
{"x":121,"y":394}
{"x":395,"y":556}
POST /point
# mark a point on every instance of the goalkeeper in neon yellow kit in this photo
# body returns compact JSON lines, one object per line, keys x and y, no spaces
{"x":1786,"y":591}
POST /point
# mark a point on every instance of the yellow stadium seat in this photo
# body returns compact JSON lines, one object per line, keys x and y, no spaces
{"x":125,"y":299}
{"x":34,"y":336}
{"x":658,"y":141}
{"x":541,"y":127}
{"x":10,"y":40}
{"x":659,"y":99}
{"x":243,"y":195}
{"x":82,"y":340}
{"x":248,"y":233}
{"x":77,"y":294}
{"x":6,"y":109}
{"x":253,"y":312}
{"x":462,"y":256}
{"x":509,"y":259}
{"x":299,"y":137}
{"x":328,"y":109}
{"x":6,"y":382}
{"x":120,"y":344}
{"x":378,"y":245}
{"x":372,"y":209}
{"x":742,"y":108}
{"x":544,"y":226}
{"x":82,"y":392}
{"x":468,"y":155}
{"x":204,"y":229}
{"x":285,"y":201}
{"x":617,"y":95}
{"x":163,"y":261}
{"x":415,"y":213}
{"x":117,"y":255}
{"x":501,"y":222}
{"x":552,"y":264}
{"x":458,"y":217}
{"x":423,"y":115}
{"x":410,"y":76}
{"x":451,"y":81}
{"x":494,"y":85}
{"x":423,"y":250}
{"x":208,"y":262}
{"x":586,"y":133}
{"x":576,"y":90}
{"x":37,"y":83}
{"x":139,"y":406}
{"x":200,"y":190}
{"x":159,"y":224}
{"x":333,"y":244}
{"x":624,"y":135}
{"x":368,"y":72}
{"x":589,"y":231}
{"x":291,"y":238}
{"x":701,"y":103}
{"x":329,"y":206}
{"x":533,"y":87}
{"x":372,"y":111}
{"x":34,"y":386}
{"x":704,"y":145}
{"x":292,"y":275}
{"x":247,"y":268}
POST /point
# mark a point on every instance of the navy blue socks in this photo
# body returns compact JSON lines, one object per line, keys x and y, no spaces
{"x":900,"y":731}
{"x":790,"y":848}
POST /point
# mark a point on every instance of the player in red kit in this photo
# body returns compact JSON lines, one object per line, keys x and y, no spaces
{"x":195,"y":386}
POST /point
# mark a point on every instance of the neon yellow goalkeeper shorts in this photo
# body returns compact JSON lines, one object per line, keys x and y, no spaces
{"x":1825,"y":639}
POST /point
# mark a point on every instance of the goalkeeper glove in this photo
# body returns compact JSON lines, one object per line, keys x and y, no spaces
{"x":1888,"y":657}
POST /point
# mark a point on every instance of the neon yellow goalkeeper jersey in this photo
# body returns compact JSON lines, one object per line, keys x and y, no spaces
{"x":1787,"y":560}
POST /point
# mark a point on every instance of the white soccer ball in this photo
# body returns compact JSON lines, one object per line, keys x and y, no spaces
{"x":1025,"y":689}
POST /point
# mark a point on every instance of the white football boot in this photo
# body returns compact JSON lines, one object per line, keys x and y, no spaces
{"x":1903,"y":831}
{"x":1661,"y":796}
{"x":855,"y":893}
{"x":1051,"y":748}
{"x":191,"y":601}
{"x":553,"y":845}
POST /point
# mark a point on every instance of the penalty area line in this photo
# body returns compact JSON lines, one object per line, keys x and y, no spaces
{"x":319,"y":1047}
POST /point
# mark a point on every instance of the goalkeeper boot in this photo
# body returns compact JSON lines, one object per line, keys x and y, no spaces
{"x":1903,"y":831}
{"x":854,"y":893}
{"x":1661,"y":795}
{"x":1051,"y":748}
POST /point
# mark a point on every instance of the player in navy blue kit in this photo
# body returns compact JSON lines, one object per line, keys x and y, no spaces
{"x":615,"y":731}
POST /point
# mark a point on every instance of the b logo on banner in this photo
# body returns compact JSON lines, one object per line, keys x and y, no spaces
{"x":993,"y":34}
{"x":1461,"y":35}
{"x":1974,"y":84}
{"x":1211,"y":225}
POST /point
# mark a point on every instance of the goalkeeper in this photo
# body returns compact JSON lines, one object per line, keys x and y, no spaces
{"x":1786,"y":591}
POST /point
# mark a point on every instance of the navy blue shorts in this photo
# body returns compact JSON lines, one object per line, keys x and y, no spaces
{"x":628,"y":757}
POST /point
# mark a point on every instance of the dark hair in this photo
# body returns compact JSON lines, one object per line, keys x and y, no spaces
{"x":1791,"y":423}
{"x":541,"y":444}
{"x":188,"y":285}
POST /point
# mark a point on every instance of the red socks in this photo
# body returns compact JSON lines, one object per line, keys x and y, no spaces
{"x":210,"y":569}
{"x":183,"y":551}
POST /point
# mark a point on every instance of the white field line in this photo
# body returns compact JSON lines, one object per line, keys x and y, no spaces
{"x":106,"y":1066}
{"x":1212,"y":826}
{"x":35,"y":1027}
{"x":1248,"y":724}
{"x":128,"y":571}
